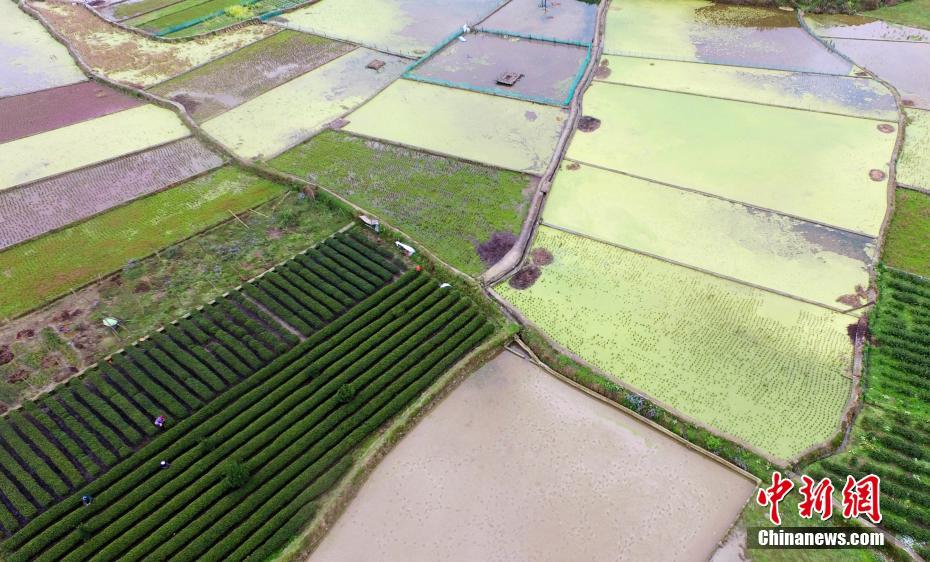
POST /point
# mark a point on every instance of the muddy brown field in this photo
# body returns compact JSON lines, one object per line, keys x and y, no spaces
{"x":517,"y":465}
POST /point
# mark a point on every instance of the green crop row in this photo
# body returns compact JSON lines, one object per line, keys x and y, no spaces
{"x":319,"y":269}
{"x":52,"y":525}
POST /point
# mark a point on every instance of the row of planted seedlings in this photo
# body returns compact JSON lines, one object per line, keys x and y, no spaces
{"x":892,"y":434}
{"x":70,"y":436}
{"x":248,"y":467}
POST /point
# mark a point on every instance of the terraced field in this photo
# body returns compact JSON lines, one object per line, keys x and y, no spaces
{"x":450,"y":206}
{"x":515,"y":135}
{"x":43,"y":269}
{"x":45,"y":205}
{"x":249,"y":72}
{"x":291,"y":113}
{"x":90,"y":142}
{"x":892,"y":433}
{"x":290,"y":426}
{"x":768,"y":370}
{"x":30,"y":59}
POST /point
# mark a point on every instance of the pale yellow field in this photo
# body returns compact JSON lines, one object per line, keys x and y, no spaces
{"x":30,"y":58}
{"x":293,"y":112}
{"x":814,"y":166}
{"x":765,"y":249}
{"x":767,"y":369}
{"x":86,"y":143}
{"x":914,"y":161}
{"x":404,"y":27}
{"x":493,"y":130}
{"x":845,"y":95}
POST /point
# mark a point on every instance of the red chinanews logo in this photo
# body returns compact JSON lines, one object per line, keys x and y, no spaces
{"x":859,"y":497}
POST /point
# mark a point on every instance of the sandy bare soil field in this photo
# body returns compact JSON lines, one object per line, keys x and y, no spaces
{"x":514,"y":458}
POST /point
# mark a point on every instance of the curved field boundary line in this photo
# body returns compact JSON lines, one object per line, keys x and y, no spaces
{"x":335,"y":502}
{"x":515,"y":256}
{"x":533,"y":358}
{"x":286,"y":25}
{"x":914,"y":188}
{"x":734,"y":201}
{"x":700,"y":270}
{"x":524,"y":321}
{"x":736,"y":100}
{"x":875,"y":40}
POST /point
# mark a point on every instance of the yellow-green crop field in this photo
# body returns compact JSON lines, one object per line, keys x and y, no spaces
{"x":30,"y":58}
{"x":291,"y":113}
{"x":60,"y":150}
{"x":769,"y":370}
{"x":502,"y":132}
{"x":844,"y":95}
{"x":814,"y":166}
{"x":767,"y":249}
{"x":914,"y":161}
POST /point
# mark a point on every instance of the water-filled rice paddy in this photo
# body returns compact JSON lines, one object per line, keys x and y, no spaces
{"x":49,"y":204}
{"x":766,"y":249}
{"x":448,"y":205}
{"x":699,"y":30}
{"x":814,"y":166}
{"x":89,"y":142}
{"x":914,"y":161}
{"x":249,"y":72}
{"x":845,"y":95}
{"x":493,"y":130}
{"x":41,"y":270}
{"x":29,"y":114}
{"x":767,"y":369}
{"x":403,"y":27}
{"x":904,"y":62}
{"x":291,"y":113}
{"x":549,"y":70}
{"x":30,"y":58}
{"x":133,"y":59}
{"x":842,"y":26}
{"x":570,"y":20}
{"x":514,"y":457}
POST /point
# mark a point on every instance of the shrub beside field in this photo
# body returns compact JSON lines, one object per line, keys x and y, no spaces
{"x":67,"y":437}
{"x":289,"y":426}
{"x":891,"y":437}
{"x":449,"y":206}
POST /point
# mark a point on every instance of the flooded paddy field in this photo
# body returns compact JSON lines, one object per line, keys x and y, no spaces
{"x":514,"y":457}
{"x":403,"y":27}
{"x":701,"y":31}
{"x":291,"y":113}
{"x":814,"y":166}
{"x":29,"y":114}
{"x":43,"y":269}
{"x":841,"y":26}
{"x":249,"y":72}
{"x":769,"y":370}
{"x":906,"y":65}
{"x":511,"y":134}
{"x":568,"y":20}
{"x":34,"y":209}
{"x":82,"y":144}
{"x":136,"y":60}
{"x":914,"y":161}
{"x":844,"y":95}
{"x":776,"y":252}
{"x":549,"y":71}
{"x":450,"y":206}
{"x":30,"y":58}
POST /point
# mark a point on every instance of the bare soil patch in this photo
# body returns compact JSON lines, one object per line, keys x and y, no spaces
{"x":525,"y":277}
{"x":496,"y":247}
{"x":541,"y":256}
{"x":588,"y":124}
